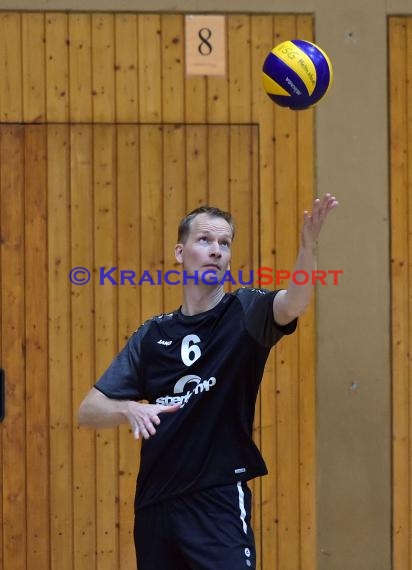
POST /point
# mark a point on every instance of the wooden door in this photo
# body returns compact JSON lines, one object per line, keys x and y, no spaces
{"x":92,"y":197}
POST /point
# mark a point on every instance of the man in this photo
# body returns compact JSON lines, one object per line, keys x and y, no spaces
{"x":200,"y":368}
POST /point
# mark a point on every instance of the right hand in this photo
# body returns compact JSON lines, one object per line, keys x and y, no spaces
{"x":144,"y":417}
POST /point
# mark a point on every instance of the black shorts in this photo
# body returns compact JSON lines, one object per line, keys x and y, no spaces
{"x":207,"y":530}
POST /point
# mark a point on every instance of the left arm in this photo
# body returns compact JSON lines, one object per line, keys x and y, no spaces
{"x":292,"y":302}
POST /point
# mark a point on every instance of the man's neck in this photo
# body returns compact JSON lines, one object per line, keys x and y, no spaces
{"x":198,"y":299}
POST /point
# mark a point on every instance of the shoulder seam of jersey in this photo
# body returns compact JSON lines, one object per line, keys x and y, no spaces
{"x":155,"y":318}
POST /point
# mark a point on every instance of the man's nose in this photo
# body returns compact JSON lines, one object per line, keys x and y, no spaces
{"x":215,"y":249}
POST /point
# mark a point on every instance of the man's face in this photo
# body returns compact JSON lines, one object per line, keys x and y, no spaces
{"x":207,"y":248}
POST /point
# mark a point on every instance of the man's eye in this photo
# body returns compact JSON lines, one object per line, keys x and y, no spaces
{"x":203,"y":238}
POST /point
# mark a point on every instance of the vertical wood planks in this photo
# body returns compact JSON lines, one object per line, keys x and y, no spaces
{"x":400,"y":293}
{"x":33,"y":68}
{"x":11,"y":88}
{"x":196,"y":167}
{"x":82,"y":351}
{"x":129,"y":317}
{"x":174,"y":137}
{"x":239,"y":77}
{"x":80,"y":66}
{"x":409,"y":227}
{"x":241,"y":202}
{"x":174,"y":183}
{"x":218,"y":165}
{"x":13,"y":346}
{"x":172,"y":50}
{"x":37,"y":411}
{"x":57,"y":67}
{"x":60,"y":387}
{"x":103,"y":86}
{"x":150,"y":68}
{"x":151,"y":157}
{"x":126,"y":70}
{"x":105,"y":237}
{"x":151,"y":209}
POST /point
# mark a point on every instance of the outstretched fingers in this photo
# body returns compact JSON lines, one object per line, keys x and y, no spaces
{"x":313,"y":221}
{"x":322,"y":206}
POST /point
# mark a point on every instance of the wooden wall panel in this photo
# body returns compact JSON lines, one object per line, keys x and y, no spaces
{"x":400,"y":76}
{"x":409,"y":226}
{"x":13,"y":346}
{"x":36,"y":333}
{"x":105,"y":237}
{"x":173,"y":83}
{"x":151,"y":204}
{"x":106,"y":189}
{"x":174,"y":207}
{"x":60,"y":373}
{"x":149,"y":69}
{"x":33,"y":68}
{"x":129,"y":316}
{"x":11,"y":90}
{"x":103,"y":67}
{"x":239,"y":68}
{"x":126,"y":77}
{"x":196,"y":168}
{"x":80,"y":67}
{"x":83,"y":342}
{"x":57,"y":67}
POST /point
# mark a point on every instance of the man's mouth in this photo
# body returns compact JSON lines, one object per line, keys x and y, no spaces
{"x":212,"y":266}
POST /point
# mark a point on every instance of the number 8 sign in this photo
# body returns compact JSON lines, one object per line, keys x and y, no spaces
{"x":205,"y":45}
{"x":205,"y":48}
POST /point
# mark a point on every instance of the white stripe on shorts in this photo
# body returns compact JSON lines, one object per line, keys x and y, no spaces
{"x":242,"y":506}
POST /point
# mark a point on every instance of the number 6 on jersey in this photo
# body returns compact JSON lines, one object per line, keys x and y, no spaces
{"x":190,"y":352}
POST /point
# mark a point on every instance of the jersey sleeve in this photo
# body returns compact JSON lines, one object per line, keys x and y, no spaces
{"x":258,"y":310}
{"x":123,"y":378}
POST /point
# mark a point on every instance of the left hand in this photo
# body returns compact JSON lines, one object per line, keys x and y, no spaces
{"x":313,"y":221}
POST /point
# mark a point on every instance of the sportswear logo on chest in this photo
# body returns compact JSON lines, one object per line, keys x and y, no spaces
{"x":164,"y":342}
{"x":200,"y":386}
{"x":180,"y":384}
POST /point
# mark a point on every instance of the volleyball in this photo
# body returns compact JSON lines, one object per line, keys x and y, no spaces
{"x":297,"y":74}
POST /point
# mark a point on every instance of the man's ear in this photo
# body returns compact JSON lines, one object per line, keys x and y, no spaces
{"x":179,"y":252}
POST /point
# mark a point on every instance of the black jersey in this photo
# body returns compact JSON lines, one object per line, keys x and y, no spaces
{"x":212,"y":364}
